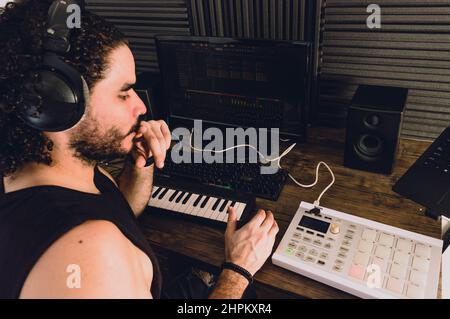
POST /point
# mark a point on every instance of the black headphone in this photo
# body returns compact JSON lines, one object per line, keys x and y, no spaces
{"x":57,"y":90}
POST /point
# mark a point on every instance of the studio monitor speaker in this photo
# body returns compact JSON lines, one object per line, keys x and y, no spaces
{"x":374,"y":120}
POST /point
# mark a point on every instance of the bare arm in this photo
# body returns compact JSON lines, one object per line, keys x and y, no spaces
{"x":249,"y":248}
{"x":136,"y":181}
{"x":136,"y":185}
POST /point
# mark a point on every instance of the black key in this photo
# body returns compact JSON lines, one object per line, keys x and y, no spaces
{"x":204,"y":202}
{"x":163,"y":193}
{"x":173,"y":196}
{"x":157,"y":192}
{"x":197,"y":200}
{"x":223,"y":205}
{"x":216,"y":203}
{"x":186,"y":198}
{"x":179,"y":197}
{"x":232,"y":204}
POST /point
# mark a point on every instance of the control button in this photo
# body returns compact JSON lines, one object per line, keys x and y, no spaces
{"x":303,"y":249}
{"x":313,"y":252}
{"x":401,"y":258}
{"x":337,"y":268}
{"x":404,"y":245}
{"x":330,"y":239}
{"x":317,"y":242}
{"x":395,"y":285}
{"x":365,"y":246}
{"x":418,"y":277}
{"x":387,"y":240}
{"x":352,"y":226}
{"x":414,"y":291}
{"x":420,"y":264}
{"x":297,"y":236}
{"x":357,"y":272}
{"x":289,"y":251}
{"x":328,"y":246}
{"x":350,"y":232}
{"x":323,"y":255}
{"x":321,"y":262}
{"x":380,"y":262}
{"x":361,"y":259}
{"x":292,"y":245}
{"x":349,"y":237}
{"x":310,"y":232}
{"x":369,"y":234}
{"x":341,"y":255}
{"x":347,"y":243}
{"x":339,"y":262}
{"x":306,"y":239}
{"x":343,"y":250}
{"x":335,"y":229}
{"x":422,"y":251}
{"x":310,"y":259}
{"x":383,"y":252}
{"x":398,"y":271}
{"x":300,"y":255}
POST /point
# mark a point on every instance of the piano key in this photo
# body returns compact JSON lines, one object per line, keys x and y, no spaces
{"x":224,"y":213}
{"x":179,"y":207}
{"x":180,"y":197}
{"x":164,"y":192}
{"x":224,"y":205}
{"x":190,"y":204}
{"x":240,"y":210}
{"x":216,"y":209}
{"x":197,"y":201}
{"x":156,"y":191}
{"x":185,"y":200}
{"x":203,"y":204}
{"x":216,"y":203}
{"x":206,"y":210}
{"x":164,"y":202}
{"x":173,"y":196}
{"x":197,"y":207}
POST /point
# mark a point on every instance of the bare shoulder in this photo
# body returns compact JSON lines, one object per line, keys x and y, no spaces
{"x":93,"y":260}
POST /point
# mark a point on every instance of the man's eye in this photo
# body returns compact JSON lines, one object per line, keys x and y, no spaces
{"x":124,"y":97}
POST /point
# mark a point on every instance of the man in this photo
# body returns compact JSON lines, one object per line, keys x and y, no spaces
{"x":59,"y":212}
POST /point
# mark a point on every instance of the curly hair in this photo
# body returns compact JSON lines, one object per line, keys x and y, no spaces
{"x":22,"y":27}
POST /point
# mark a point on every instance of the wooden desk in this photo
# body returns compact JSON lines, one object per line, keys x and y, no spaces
{"x":360,"y":193}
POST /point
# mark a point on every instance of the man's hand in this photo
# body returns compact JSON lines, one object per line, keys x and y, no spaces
{"x":250,"y":246}
{"x":152,"y":139}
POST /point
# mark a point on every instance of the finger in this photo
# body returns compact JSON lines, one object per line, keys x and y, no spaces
{"x":232,"y":220}
{"x":268,"y":222}
{"x":140,"y":154}
{"x":274,"y":229}
{"x":154,"y":146}
{"x":166,"y":133}
{"x":258,"y":219}
{"x":160,"y":158}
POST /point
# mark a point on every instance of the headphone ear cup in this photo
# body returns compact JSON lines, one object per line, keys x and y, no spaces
{"x":62,"y":93}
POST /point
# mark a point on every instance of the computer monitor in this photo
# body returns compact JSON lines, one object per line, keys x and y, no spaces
{"x":236,"y":82}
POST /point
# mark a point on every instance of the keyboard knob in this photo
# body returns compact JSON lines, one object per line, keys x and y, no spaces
{"x":335,"y":229}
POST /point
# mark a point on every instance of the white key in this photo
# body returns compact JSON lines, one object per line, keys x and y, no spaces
{"x":369,"y":234}
{"x":152,"y":202}
{"x":165,"y":201}
{"x":206,"y":211}
{"x":216,"y":211}
{"x":361,"y":259}
{"x":240,"y":210}
{"x":387,"y":240}
{"x":179,"y":207}
{"x":155,"y":189}
{"x":197,"y":209}
{"x":190,"y":204}
{"x":162,"y":201}
{"x":185,"y":206}
{"x":172,"y":204}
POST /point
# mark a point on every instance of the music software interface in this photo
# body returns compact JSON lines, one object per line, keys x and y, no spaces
{"x":237,"y":83}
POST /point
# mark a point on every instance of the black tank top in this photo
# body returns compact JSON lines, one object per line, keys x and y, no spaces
{"x":32,"y":219}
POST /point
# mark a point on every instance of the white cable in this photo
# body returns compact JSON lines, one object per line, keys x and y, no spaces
{"x":278,"y":159}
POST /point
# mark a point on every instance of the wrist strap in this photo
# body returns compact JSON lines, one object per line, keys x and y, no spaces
{"x":236,"y":268}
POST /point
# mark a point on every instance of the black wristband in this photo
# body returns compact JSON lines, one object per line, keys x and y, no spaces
{"x":150,"y":160}
{"x":242,"y":271}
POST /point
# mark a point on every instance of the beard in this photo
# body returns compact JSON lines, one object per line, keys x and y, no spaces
{"x":91,"y":145}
